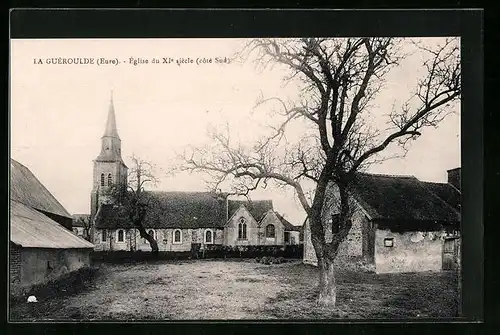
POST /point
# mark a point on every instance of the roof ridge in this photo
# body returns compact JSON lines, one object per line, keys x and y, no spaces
{"x":389,"y":175}
{"x":43,"y":187}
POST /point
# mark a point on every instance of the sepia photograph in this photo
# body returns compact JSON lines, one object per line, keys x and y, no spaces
{"x":308,"y":178}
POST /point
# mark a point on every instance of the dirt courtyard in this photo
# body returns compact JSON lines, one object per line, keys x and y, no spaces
{"x":243,"y":289}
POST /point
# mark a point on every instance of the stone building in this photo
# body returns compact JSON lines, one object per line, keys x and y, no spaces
{"x":42,"y":246}
{"x":256,"y":223}
{"x":176,"y":220}
{"x":291,"y":233}
{"x":399,"y":223}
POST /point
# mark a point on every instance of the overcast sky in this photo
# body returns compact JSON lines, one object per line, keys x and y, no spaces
{"x":58,"y":112}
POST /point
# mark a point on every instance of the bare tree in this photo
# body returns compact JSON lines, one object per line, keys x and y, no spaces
{"x":339,"y":79}
{"x":135,"y":200}
{"x":86,"y":223}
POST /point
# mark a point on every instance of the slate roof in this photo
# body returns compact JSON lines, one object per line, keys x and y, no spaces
{"x":401,"y":198}
{"x":28,"y":190}
{"x":288,"y":226}
{"x":258,"y":208}
{"x":31,"y":229}
{"x":170,"y":210}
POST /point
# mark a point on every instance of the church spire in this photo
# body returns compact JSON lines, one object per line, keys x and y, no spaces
{"x":111,"y":130}
{"x":111,"y":143}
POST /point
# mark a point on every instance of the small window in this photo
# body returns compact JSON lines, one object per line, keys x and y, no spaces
{"x":110,"y":180}
{"x":388,"y":242}
{"x":103,"y":236}
{"x":209,"y":237}
{"x":287,"y":236}
{"x":242,"y":229}
{"x":120,"y":236}
{"x":177,"y":236}
{"x":270,"y":231}
{"x":102,"y":179}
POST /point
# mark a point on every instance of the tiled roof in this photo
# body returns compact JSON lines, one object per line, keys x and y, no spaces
{"x":256,"y":207}
{"x":401,"y":198}
{"x":31,"y":229}
{"x":171,"y":210}
{"x":27,"y":189}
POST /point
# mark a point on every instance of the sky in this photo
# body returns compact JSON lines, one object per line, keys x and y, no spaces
{"x":58,"y":111}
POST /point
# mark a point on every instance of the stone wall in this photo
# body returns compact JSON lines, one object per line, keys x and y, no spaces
{"x":164,"y":238}
{"x":14,"y":267}
{"x":39,"y":265}
{"x":279,"y":230}
{"x":198,"y":235}
{"x":112,"y":242}
{"x":351,"y":247}
{"x":410,"y":252}
{"x":309,"y":252}
{"x":231,"y":230}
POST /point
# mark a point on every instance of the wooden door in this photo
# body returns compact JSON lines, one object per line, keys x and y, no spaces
{"x":450,"y":254}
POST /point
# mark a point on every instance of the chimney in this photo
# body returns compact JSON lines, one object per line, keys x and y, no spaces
{"x":454,"y":177}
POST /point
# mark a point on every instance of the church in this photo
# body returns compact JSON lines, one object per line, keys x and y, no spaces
{"x":176,"y":220}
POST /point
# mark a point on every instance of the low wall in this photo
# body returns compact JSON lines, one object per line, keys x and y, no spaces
{"x":208,"y":252}
{"x":251,"y":251}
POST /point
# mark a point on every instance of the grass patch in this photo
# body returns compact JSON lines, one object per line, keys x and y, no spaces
{"x":363,"y":295}
{"x":225,"y":289}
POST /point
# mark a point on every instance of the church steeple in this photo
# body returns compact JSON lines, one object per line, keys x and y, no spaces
{"x":111,"y":143}
{"x":109,"y":168}
{"x":111,"y":130}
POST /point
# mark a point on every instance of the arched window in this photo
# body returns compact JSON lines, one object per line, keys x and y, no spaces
{"x":102,"y":179}
{"x":110,"y":180}
{"x":242,"y":229}
{"x":177,"y":236}
{"x":270,"y":232}
{"x":121,"y":236}
{"x":209,"y":238}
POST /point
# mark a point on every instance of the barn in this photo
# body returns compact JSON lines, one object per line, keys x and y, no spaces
{"x":399,"y":224}
{"x":42,"y":246}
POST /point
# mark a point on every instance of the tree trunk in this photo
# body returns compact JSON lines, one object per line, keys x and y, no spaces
{"x":327,"y":285}
{"x":150,"y":239}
